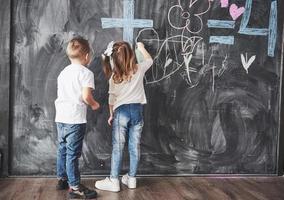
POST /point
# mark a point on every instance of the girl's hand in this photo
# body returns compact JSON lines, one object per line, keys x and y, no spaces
{"x":140,"y":45}
{"x":110,"y":119}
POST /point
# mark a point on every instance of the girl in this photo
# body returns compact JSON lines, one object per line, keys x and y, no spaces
{"x":126,"y":97}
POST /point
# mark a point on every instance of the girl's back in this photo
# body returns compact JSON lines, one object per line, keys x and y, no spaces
{"x":130,"y":91}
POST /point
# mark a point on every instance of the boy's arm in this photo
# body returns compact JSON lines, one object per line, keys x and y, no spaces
{"x":89,"y":99}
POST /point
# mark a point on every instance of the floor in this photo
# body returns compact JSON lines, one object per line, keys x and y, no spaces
{"x":166,"y":188}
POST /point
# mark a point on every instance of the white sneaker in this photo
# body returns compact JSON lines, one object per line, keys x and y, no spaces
{"x":108,"y":184}
{"x":129,"y":181}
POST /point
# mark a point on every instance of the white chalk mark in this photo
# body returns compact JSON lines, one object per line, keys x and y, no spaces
{"x":224,"y":66}
{"x":187,"y":59}
{"x":168,"y":62}
{"x":247,"y":62}
{"x":213,"y":77}
{"x":203,"y":54}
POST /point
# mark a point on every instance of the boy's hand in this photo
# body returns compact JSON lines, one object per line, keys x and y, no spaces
{"x":89,"y":99}
{"x":95,"y":106}
{"x":110,"y":119}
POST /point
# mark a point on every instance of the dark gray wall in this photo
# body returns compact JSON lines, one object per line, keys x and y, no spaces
{"x":205,"y":113}
{"x":4,"y":81}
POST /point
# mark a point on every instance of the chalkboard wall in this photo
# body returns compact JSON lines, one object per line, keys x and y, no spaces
{"x":4,"y":83}
{"x":213,"y":91}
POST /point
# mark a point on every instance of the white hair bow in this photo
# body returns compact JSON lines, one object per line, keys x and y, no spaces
{"x":109,"y":49}
{"x":108,"y":53}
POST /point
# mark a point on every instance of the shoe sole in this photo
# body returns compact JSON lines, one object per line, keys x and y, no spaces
{"x":104,"y":189}
{"x":128,"y":185}
{"x":74,"y":196}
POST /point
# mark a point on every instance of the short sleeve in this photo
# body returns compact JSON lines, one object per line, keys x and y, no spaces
{"x":88,"y":80}
{"x":146,"y":64}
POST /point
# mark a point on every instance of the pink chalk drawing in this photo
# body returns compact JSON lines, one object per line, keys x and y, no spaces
{"x":224,"y":3}
{"x":236,"y":11}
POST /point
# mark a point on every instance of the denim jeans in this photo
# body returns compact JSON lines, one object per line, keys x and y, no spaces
{"x":70,"y":142}
{"x":128,"y":119}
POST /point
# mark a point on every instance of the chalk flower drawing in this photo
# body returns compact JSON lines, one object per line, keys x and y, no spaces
{"x":177,"y":49}
{"x":187,"y":16}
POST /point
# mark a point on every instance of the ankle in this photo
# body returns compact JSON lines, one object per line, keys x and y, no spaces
{"x":61,"y":179}
{"x":75,"y":187}
{"x":115,"y":179}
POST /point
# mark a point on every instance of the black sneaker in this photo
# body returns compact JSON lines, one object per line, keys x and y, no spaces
{"x":62,"y":185}
{"x":82,"y":193}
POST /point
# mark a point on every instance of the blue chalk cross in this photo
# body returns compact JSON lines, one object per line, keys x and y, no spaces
{"x":128,"y":23}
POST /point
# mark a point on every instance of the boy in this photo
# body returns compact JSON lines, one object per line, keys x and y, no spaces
{"x":74,"y":91}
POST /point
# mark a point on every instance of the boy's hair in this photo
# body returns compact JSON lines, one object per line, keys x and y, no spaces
{"x":77,"y":48}
{"x":124,"y":62}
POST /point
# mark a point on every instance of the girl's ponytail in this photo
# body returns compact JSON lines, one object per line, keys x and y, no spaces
{"x":119,"y":60}
{"x":107,"y":66}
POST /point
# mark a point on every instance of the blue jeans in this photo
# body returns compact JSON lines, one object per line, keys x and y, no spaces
{"x":70,"y":139}
{"x":128,"y":119}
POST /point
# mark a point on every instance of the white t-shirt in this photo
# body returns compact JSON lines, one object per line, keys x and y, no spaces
{"x":69,"y":105}
{"x":131,"y":91}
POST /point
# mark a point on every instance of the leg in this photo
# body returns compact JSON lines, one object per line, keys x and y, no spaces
{"x":74,"y":138}
{"x":61,"y":153}
{"x":119,"y":131}
{"x":135,"y":131}
{"x":134,"y":147}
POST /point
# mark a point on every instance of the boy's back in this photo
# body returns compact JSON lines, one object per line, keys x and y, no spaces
{"x":70,"y":107}
{"x":74,"y":92}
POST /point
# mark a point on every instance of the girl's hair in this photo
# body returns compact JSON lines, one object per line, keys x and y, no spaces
{"x":123,"y":61}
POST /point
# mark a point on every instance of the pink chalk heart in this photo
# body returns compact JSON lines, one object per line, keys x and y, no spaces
{"x":236,"y":11}
{"x":224,"y":3}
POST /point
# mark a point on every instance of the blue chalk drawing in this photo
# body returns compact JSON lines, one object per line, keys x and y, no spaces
{"x":245,"y":20}
{"x":128,"y":23}
{"x":271,"y":31}
{"x":227,"y":24}
{"x":272,"y":34}
{"x":222,"y":39}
